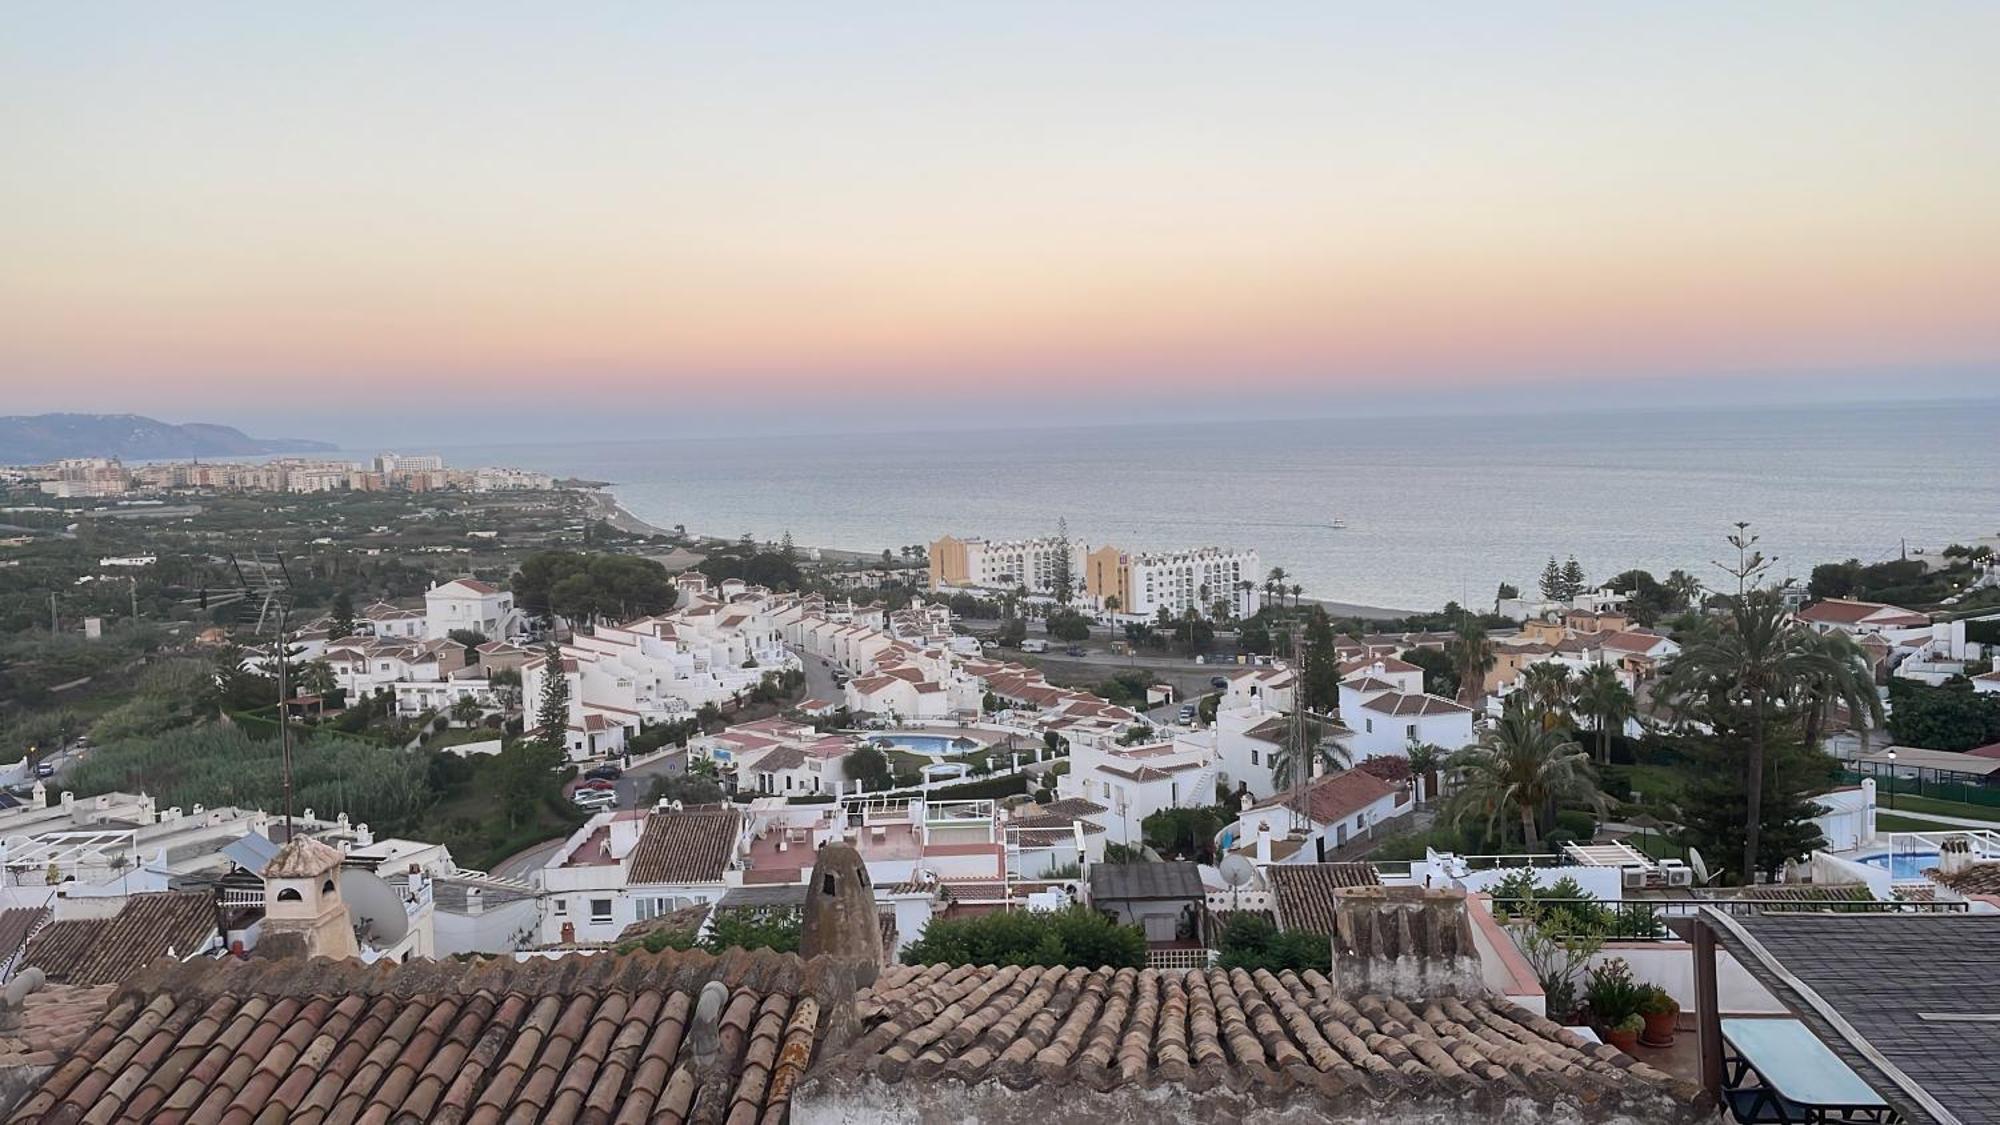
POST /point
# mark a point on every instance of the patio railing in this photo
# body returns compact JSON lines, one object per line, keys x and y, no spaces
{"x":1738,"y":907}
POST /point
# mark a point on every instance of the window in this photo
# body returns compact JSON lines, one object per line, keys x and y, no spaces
{"x":1410,"y":732}
{"x":600,"y":910}
{"x":1253,"y":758}
{"x":1358,"y":825}
{"x":1371,"y":726}
{"x":562,"y":907}
{"x":290,"y":894}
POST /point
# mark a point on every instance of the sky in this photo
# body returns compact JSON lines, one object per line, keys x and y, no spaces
{"x":562,"y":220}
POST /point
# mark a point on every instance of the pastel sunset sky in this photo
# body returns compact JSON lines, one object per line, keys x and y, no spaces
{"x":605,"y":214}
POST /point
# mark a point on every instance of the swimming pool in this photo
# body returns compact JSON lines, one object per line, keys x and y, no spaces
{"x":935,"y":745}
{"x":1905,"y":865}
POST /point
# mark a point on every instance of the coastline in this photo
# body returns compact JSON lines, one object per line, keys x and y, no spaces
{"x":604,"y":505}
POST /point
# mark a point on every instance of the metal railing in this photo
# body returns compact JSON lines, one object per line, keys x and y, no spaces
{"x":1737,"y":907}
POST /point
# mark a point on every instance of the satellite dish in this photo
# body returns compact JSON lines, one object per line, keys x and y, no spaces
{"x":375,"y":906}
{"x":1238,"y":871}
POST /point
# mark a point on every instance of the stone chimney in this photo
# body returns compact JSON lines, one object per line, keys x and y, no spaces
{"x":1955,"y":855}
{"x":302,"y":898}
{"x":1408,"y":942}
{"x":840,"y":911}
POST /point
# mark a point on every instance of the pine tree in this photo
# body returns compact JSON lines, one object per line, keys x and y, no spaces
{"x":553,"y":714}
{"x":1062,"y":575}
{"x":1573,"y":583}
{"x":786,"y":548}
{"x":342,"y":621}
{"x":1319,"y":680}
{"x":1552,"y":581}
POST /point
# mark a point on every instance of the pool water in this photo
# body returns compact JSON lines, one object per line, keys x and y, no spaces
{"x":936,"y":745}
{"x":1904,"y":865}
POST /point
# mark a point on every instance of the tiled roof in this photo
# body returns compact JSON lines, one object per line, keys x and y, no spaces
{"x":1396,"y":704}
{"x":1115,"y":1041}
{"x":1842,"y":611}
{"x":1144,"y":881}
{"x":693,"y":846}
{"x":1977,"y":879}
{"x":51,"y":1020}
{"x":15,"y":925}
{"x":1336,"y":796}
{"x":1304,"y":892}
{"x":603,"y":1038}
{"x":89,"y":951}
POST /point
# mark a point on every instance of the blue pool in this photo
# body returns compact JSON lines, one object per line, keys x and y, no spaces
{"x":936,"y":745}
{"x":1906,"y":865}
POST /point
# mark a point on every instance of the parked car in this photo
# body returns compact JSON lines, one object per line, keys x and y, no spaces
{"x":45,"y":769}
{"x":605,"y":772}
{"x":599,"y":783}
{"x":593,"y":799}
{"x":1188,"y":712}
{"x":1074,"y":650}
{"x":1218,"y":683}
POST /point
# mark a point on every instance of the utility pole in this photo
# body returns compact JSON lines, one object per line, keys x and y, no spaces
{"x":55,"y":623}
{"x":135,"y":599}
{"x":284,"y":711}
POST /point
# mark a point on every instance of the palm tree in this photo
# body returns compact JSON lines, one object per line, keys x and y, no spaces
{"x":1308,"y":749}
{"x":1277,"y":583}
{"x":466,"y":710}
{"x":1472,"y":657}
{"x":1296,"y":591}
{"x":1519,"y":767}
{"x":1600,"y":695}
{"x":1549,"y":691}
{"x":1685,"y":588}
{"x":1761,"y":658}
{"x":1425,"y":760}
{"x":1842,"y":679}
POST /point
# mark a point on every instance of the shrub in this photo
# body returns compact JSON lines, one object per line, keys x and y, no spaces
{"x":1252,"y":941}
{"x":1076,"y":937}
{"x":1612,"y":994}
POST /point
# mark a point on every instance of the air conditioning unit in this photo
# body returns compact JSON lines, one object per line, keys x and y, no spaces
{"x":1634,"y":878}
{"x":1680,"y":876}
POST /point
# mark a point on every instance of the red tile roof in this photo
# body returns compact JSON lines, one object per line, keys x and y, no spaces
{"x":1336,"y":796}
{"x":578,"y":1039}
{"x":1842,"y":611}
{"x":1303,"y":893}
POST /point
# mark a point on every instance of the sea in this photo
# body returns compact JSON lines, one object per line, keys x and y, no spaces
{"x":1402,"y":513}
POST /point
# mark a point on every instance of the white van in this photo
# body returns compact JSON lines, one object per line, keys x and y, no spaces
{"x":1034,"y":646}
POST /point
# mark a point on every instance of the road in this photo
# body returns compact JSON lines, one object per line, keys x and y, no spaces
{"x":819,"y":679}
{"x":522,"y":865}
{"x":633,"y":788}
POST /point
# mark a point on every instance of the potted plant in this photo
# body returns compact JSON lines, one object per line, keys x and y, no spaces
{"x":1660,"y":1011}
{"x":1624,"y":1034}
{"x":1613,"y":997}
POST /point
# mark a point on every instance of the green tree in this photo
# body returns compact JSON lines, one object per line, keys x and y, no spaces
{"x":1758,"y":658}
{"x":1573,"y":583}
{"x":552,"y":711}
{"x":1440,"y":676}
{"x":688,"y":789}
{"x":1426,"y":759}
{"x":1062,"y":575}
{"x":1951,"y":716}
{"x":1606,"y":702}
{"x":1185,"y":833}
{"x":869,"y":766}
{"x":1551,"y":583}
{"x":1068,"y":625}
{"x":1319,"y":677}
{"x":340,"y":623}
{"x":1549,"y":690}
{"x":1471,"y":653}
{"x":1713,"y":806}
{"x":1841,"y":682}
{"x":466,"y":710}
{"x":1517,"y":769}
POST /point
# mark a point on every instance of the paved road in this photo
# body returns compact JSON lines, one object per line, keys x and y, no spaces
{"x":819,"y":678}
{"x":638,"y":781}
{"x":522,"y":865}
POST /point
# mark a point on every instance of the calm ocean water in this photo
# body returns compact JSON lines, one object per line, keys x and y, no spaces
{"x":1435,"y":508}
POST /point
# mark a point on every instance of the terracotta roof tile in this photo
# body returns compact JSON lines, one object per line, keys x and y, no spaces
{"x":603,"y":1038}
{"x":1304,"y":892}
{"x":1249,"y":1039}
{"x":694,"y":846}
{"x":90,"y":951}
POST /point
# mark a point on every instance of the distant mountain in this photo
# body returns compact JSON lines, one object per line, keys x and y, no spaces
{"x":31,"y":439}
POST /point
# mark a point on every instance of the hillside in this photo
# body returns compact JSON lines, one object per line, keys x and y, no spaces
{"x":31,"y":439}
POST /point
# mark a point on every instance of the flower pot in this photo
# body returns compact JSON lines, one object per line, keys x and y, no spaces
{"x":1626,"y":1041}
{"x":1659,"y":1029}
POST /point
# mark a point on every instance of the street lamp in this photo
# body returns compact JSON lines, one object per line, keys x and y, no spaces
{"x":1892,"y":779}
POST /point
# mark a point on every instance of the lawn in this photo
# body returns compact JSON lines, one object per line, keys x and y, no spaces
{"x":1906,"y":802}
{"x":1890,"y":822}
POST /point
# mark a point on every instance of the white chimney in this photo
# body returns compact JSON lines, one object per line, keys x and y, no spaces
{"x":1263,"y":843}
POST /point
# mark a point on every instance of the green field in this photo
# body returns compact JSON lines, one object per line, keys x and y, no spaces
{"x":1904,"y":802}
{"x":1890,"y":822}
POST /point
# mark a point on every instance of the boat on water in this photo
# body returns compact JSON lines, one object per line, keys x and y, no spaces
{"x":1338,"y":524}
